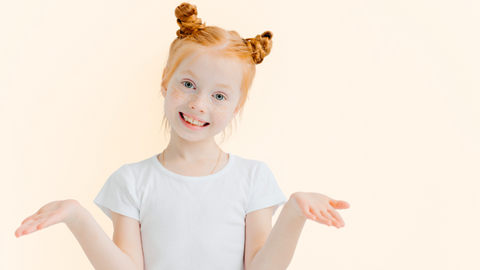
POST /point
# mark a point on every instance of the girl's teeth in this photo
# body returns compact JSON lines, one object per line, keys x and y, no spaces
{"x":191,"y":121}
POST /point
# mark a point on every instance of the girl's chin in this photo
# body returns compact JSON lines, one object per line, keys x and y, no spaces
{"x":195,"y":136}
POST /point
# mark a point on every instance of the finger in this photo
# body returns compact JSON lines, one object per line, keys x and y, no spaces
{"x":308,"y":213}
{"x":339,"y":204}
{"x":32,"y":217}
{"x":18,"y":231}
{"x":31,"y":228}
{"x":51,"y":220}
{"x":337,"y":216}
{"x":320,"y":218}
{"x":327,"y":215}
{"x":343,"y":204}
{"x":27,"y":222}
{"x":22,"y":227}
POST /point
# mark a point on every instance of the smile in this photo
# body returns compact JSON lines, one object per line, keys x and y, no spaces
{"x":193,"y":122}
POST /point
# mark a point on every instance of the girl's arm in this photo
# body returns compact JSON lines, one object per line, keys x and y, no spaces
{"x":277,"y":252}
{"x":102,"y":252}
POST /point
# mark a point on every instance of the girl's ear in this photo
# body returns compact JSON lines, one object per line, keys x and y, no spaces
{"x":235,"y":112}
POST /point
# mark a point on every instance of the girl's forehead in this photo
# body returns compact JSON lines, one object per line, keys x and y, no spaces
{"x":214,"y":68}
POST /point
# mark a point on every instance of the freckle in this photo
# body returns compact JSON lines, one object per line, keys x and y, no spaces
{"x":176,"y":94}
{"x":222,"y":112}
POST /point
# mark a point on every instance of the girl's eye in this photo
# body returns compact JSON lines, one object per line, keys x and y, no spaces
{"x":219,"y":95}
{"x":187,"y":84}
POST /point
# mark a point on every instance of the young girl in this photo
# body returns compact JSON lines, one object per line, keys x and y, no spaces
{"x":194,"y":206}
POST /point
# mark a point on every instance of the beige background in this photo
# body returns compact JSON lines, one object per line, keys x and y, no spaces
{"x":372,"y":102}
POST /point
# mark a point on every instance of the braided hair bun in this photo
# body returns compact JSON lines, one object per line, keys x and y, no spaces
{"x":191,"y":26}
{"x":187,"y":20}
{"x":260,"y":46}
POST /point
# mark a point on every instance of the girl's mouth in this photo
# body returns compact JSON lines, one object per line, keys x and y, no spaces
{"x":192,"y":125}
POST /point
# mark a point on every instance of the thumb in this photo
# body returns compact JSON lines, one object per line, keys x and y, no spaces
{"x":339,"y":204}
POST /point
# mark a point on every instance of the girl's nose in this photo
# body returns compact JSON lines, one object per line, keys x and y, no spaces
{"x":198,"y":103}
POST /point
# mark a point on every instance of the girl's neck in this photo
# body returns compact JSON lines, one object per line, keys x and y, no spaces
{"x":184,"y":150}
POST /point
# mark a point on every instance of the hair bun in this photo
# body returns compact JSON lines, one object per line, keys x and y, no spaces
{"x":187,"y":20}
{"x":260,"y":46}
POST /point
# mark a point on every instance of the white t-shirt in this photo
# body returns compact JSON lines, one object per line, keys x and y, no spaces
{"x":190,"y":222}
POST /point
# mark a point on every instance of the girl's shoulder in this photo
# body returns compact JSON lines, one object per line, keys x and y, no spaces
{"x":135,"y":167}
{"x":247,"y":163}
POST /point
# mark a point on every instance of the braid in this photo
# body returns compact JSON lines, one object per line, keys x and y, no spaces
{"x":187,"y":20}
{"x":260,"y":46}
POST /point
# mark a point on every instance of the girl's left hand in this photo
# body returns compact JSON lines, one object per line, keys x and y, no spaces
{"x":318,"y":207}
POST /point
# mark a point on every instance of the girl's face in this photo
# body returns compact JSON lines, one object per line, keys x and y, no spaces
{"x":204,"y":88}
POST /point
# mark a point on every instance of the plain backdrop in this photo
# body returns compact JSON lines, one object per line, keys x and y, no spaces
{"x":372,"y":102}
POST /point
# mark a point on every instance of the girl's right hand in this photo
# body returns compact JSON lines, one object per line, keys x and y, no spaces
{"x":52,"y":213}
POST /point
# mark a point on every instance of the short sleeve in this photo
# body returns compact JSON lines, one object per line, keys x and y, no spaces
{"x":266,"y":191}
{"x":118,"y":194}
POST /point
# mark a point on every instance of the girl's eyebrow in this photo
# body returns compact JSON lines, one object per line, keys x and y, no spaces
{"x":218,"y":84}
{"x":224,"y":86}
{"x":191,"y":73}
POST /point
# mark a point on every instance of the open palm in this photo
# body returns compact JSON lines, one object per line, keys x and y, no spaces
{"x":52,"y":213}
{"x":319,"y":208}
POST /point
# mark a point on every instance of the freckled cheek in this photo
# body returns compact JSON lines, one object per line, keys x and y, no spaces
{"x":223,"y":113}
{"x":174,"y":98}
{"x":177,"y":95}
